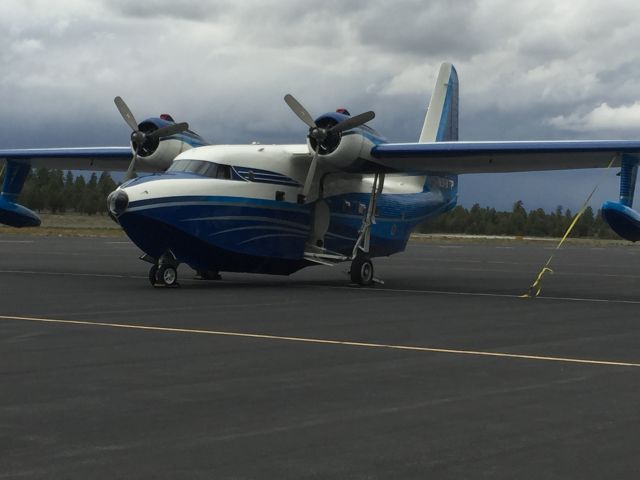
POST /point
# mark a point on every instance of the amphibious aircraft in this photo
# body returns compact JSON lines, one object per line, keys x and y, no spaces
{"x":346,"y":195}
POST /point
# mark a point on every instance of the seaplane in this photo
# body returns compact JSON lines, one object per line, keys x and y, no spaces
{"x":347,"y":195}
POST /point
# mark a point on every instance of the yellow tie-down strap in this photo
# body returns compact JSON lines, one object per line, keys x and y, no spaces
{"x":536,"y":286}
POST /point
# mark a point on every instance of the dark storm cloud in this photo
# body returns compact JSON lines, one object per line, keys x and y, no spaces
{"x":438,"y":28}
{"x":528,"y":70}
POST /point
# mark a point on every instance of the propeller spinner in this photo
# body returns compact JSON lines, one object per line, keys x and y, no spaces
{"x":139,"y":138}
{"x":320,"y":135}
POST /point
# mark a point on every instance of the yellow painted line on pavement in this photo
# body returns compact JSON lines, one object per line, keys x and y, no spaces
{"x":321,"y":341}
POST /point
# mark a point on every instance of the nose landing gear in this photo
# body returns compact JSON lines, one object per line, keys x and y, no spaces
{"x":164,"y":272}
{"x":163,"y":276}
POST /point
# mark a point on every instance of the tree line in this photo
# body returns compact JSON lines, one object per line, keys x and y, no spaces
{"x":518,"y":222}
{"x":58,"y":192}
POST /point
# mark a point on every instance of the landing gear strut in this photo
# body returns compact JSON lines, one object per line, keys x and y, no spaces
{"x":364,"y":233}
{"x":361,"y":266}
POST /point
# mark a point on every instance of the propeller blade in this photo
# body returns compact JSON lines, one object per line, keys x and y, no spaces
{"x":308,"y":182}
{"x":353,"y":122}
{"x":299,"y":110}
{"x":169,"y":130}
{"x":131,"y":171}
{"x":126,"y":113}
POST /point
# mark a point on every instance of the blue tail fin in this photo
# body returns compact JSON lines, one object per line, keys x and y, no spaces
{"x":441,"y":122}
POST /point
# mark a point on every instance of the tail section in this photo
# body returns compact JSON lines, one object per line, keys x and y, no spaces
{"x":441,"y":122}
{"x":441,"y":125}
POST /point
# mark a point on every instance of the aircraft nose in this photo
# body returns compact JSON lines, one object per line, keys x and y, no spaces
{"x":117,"y":202}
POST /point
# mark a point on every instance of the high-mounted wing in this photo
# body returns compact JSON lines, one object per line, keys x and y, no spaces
{"x":92,"y":158}
{"x":501,"y":157}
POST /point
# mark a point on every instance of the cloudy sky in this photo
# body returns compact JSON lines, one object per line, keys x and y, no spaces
{"x":528,"y":70}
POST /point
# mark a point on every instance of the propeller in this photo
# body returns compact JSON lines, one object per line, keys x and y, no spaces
{"x":139,"y":138}
{"x":320,"y":134}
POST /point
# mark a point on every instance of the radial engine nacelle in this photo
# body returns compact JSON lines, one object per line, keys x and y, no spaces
{"x":346,"y":150}
{"x":155,"y":153}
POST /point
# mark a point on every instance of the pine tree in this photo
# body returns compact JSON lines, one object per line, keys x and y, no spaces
{"x":518,"y":218}
{"x":79,"y":188}
{"x":55,"y":192}
{"x":106,"y":185}
{"x":91,"y":197}
{"x":69,"y":192}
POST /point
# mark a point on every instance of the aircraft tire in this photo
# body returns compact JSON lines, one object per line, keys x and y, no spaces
{"x":362,"y":270}
{"x":167,"y":275}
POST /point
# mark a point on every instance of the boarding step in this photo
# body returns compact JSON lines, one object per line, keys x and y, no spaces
{"x":325,"y":257}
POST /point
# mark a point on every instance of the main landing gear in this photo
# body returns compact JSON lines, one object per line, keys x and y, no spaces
{"x":362,"y":272}
{"x":361,"y":266}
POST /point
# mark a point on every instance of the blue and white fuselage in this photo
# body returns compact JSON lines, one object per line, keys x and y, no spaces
{"x":237,"y":208}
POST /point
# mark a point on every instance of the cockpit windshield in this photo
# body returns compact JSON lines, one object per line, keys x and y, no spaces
{"x":202,"y":168}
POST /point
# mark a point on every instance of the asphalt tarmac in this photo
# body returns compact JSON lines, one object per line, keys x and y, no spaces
{"x":442,"y":372}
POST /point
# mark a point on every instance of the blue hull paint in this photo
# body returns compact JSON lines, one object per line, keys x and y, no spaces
{"x":154,"y":237}
{"x":260,"y":236}
{"x":397,"y":217}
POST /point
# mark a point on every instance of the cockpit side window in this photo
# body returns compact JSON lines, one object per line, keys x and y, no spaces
{"x":202,"y":168}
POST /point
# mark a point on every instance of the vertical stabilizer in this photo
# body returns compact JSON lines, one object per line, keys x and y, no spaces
{"x":441,"y":122}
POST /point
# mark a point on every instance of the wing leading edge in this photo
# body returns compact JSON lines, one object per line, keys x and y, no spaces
{"x":501,"y":157}
{"x":91,"y":158}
